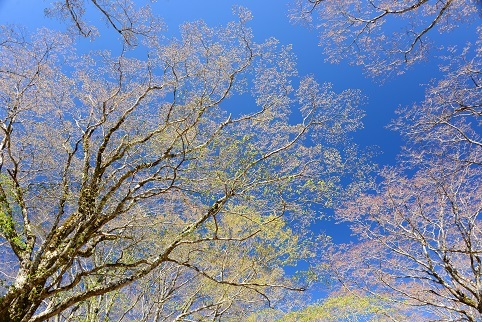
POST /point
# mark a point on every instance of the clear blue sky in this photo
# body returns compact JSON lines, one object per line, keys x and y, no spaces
{"x":271,"y":20}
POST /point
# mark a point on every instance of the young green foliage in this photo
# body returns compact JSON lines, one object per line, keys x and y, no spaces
{"x":143,"y":179}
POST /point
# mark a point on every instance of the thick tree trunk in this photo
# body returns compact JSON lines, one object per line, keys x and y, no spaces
{"x":20,"y":302}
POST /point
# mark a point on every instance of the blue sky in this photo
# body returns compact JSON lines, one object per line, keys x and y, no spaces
{"x":271,"y":20}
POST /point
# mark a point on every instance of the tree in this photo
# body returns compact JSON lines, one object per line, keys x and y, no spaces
{"x":342,"y":305}
{"x":127,"y":19}
{"x":141,"y":181}
{"x":347,"y":307}
{"x":419,"y":240}
{"x":447,"y":122}
{"x":390,"y":36}
{"x":383,"y":36}
{"x":419,"y":230}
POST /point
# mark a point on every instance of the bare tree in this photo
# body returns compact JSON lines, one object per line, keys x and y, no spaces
{"x":448,"y":120}
{"x":388,"y":36}
{"x":419,"y":230}
{"x":119,"y":173}
{"x":125,"y":17}
{"x":383,"y":36}
{"x":420,"y":241}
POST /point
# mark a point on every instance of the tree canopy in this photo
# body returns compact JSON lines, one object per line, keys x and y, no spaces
{"x":138,"y":187}
{"x":419,"y":227}
{"x":384,"y":37}
{"x":182,"y":178}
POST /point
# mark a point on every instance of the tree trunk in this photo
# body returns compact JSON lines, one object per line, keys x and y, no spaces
{"x":22,"y":300}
